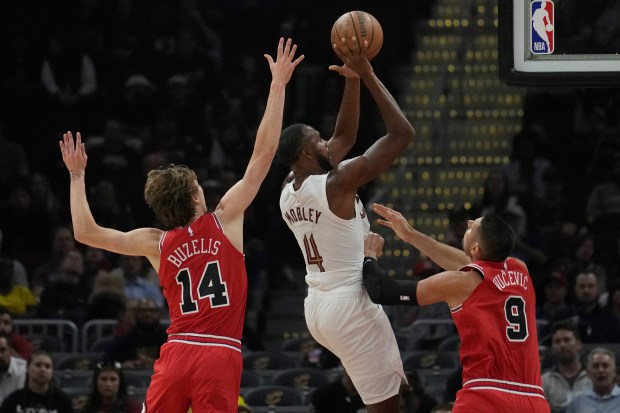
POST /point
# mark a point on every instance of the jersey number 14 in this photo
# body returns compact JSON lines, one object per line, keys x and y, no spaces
{"x":210,"y":285}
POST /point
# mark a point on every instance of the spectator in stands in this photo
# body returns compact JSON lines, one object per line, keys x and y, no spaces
{"x":413,"y":396}
{"x":555,"y":305}
{"x":13,"y":160}
{"x":27,"y":232}
{"x":604,"y":396}
{"x":339,"y":396}
{"x":62,"y":242}
{"x":67,"y":296}
{"x":109,"y":391}
{"x":604,"y":199}
{"x":498,"y":198}
{"x":16,"y":298}
{"x":20,"y":346}
{"x":12,"y":369}
{"x":596,"y":324}
{"x":45,"y":200}
{"x":107,"y":299}
{"x":567,"y":376}
{"x":39,"y":394}
{"x":527,"y":165}
{"x":584,"y":261}
{"x":134,"y":270}
{"x":613,"y":303}
{"x":139,"y":347}
{"x":19,"y":275}
{"x":68,"y":76}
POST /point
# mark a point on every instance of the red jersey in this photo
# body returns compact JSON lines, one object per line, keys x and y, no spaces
{"x":204,"y":281}
{"x":497,"y":326}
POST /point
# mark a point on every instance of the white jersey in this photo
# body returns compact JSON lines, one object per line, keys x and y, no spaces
{"x":332,"y":247}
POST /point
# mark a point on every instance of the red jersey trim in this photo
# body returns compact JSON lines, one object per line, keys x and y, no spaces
{"x":504,"y":386}
{"x":205,"y":340}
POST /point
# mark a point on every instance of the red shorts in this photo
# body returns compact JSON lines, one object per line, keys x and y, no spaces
{"x":205,"y":377}
{"x":494,"y":401}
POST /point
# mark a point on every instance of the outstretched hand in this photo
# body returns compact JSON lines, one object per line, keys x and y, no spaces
{"x":392,"y":219}
{"x":73,"y":153}
{"x":373,"y":245}
{"x":345,"y":71}
{"x":354,"y":56}
{"x":284,"y":65}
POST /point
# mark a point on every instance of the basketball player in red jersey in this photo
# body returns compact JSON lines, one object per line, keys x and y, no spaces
{"x":199,"y":261}
{"x":491,"y":297}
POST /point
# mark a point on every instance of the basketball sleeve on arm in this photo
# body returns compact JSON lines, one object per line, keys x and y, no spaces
{"x":382,"y":289}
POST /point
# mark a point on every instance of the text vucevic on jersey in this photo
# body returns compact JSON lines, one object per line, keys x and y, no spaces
{"x":189,"y":249}
{"x":508,"y":278}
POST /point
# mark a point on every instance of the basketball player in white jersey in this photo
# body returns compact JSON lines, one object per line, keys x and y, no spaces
{"x":320,"y":205}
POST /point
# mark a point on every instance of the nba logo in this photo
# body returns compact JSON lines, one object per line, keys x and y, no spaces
{"x":542,"y":37}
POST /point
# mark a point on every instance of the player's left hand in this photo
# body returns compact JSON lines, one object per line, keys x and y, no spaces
{"x":345,"y":71}
{"x":373,"y":245}
{"x":73,"y":153}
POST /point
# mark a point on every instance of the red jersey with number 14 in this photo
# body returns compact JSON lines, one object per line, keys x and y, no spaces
{"x":205,"y":284}
{"x":497,"y":326}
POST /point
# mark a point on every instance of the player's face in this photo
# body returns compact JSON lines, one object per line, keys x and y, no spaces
{"x":471,"y":235}
{"x":320,"y":149}
{"x":200,"y":199}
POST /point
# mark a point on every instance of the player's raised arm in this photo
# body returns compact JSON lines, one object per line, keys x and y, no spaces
{"x":347,"y":122}
{"x":239,"y":197}
{"x":400,"y":133}
{"x":446,"y":256}
{"x":144,"y":241}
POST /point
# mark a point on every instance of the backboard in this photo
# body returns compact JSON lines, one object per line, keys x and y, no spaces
{"x":561,"y":42}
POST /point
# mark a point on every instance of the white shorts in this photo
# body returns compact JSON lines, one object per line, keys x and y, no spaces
{"x":356,"y":330}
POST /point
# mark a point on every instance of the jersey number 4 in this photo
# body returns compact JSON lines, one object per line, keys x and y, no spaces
{"x":516,"y":330}
{"x":210,"y":285}
{"x":312,"y":252}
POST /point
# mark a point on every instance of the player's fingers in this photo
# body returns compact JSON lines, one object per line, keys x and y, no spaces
{"x":269,"y":59}
{"x":280,"y":46}
{"x":385,"y":223}
{"x":298,"y":60}
{"x":287,"y":48}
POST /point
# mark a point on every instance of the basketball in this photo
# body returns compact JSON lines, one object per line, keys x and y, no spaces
{"x":361,"y":25}
{"x":549,"y":27}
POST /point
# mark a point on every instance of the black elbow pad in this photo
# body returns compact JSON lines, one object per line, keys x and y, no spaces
{"x":382,"y":289}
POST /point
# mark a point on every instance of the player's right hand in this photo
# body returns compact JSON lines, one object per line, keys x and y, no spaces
{"x":394,"y":220}
{"x":285,"y":63}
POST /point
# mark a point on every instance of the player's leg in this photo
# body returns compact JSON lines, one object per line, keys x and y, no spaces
{"x":386,"y":406}
{"x":360,"y":334}
{"x":216,"y":377}
{"x":167,"y":392}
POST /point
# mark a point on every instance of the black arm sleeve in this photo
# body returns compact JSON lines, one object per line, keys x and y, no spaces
{"x":382,"y":289}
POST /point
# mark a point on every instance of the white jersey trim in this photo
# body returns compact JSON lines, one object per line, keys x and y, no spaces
{"x":201,"y":343}
{"x":161,"y":240}
{"x":512,"y":383}
{"x":520,"y":393}
{"x":234,"y":340}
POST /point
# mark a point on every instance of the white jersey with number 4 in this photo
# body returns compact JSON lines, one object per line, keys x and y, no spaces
{"x":332,"y":247}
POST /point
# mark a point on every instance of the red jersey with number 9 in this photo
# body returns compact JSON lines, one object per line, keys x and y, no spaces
{"x":497,"y":326}
{"x":204,"y":280}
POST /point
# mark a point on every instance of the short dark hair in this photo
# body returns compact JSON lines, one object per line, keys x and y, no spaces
{"x":497,"y":238}
{"x":566,"y":324}
{"x":291,"y":143}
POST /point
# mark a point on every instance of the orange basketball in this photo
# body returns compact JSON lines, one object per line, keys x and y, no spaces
{"x":363,"y":26}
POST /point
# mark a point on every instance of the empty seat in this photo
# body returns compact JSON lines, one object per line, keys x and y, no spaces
{"x":430,"y":360}
{"x":273,"y":395}
{"x":301,"y":378}
{"x":267,"y":360}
